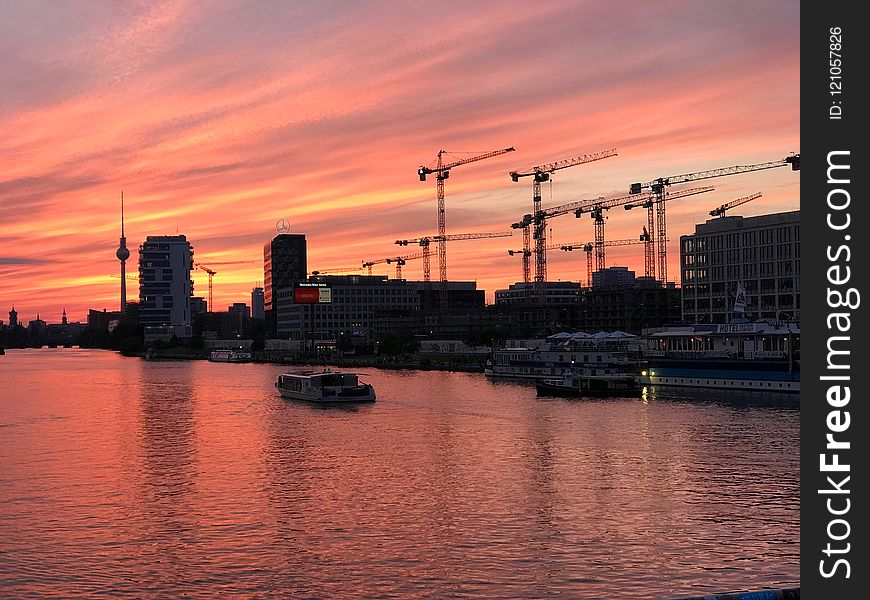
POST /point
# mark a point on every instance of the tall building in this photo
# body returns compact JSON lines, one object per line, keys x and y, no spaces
{"x":285,"y":263}
{"x":762,"y":253}
{"x":123,"y":254}
{"x":63,"y":320}
{"x":239,"y":314}
{"x":257,"y":303}
{"x":165,"y":286}
{"x":13,"y":318}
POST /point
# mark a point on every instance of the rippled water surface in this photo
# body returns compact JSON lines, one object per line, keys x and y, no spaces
{"x":123,"y":477}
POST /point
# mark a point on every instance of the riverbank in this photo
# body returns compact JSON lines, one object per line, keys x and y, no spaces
{"x":408,"y":362}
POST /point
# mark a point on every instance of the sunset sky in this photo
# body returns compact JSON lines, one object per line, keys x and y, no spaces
{"x":217,"y":118}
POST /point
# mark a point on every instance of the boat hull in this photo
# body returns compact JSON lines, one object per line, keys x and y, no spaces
{"x":622,"y":387}
{"x":755,"y":375}
{"x":368,"y":395}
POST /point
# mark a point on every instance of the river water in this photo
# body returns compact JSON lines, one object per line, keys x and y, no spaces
{"x":129,"y":478}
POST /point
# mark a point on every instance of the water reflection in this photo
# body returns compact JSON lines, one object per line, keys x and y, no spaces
{"x":198,"y":478}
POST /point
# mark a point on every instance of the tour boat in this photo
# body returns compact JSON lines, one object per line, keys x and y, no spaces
{"x":571,"y":385}
{"x":233,"y":356}
{"x":583,"y":354}
{"x":325,"y":386}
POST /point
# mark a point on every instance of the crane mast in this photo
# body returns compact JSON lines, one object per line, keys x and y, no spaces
{"x":442,"y":172}
{"x":657,"y":186}
{"x":596,"y":207}
{"x":540,"y":174}
{"x":589,"y":247}
{"x":650,"y":203}
{"x":426,"y":241}
{"x":211,"y":273}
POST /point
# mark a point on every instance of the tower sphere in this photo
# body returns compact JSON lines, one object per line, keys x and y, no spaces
{"x":123,"y":253}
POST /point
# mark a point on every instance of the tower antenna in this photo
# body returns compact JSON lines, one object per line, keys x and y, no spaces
{"x":123,"y":254}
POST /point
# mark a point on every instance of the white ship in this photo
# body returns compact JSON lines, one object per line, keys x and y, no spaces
{"x":761,"y":356}
{"x":580,"y":354}
{"x":325,"y":386}
{"x":233,"y":356}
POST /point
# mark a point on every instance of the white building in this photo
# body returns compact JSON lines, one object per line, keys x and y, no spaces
{"x":165,"y":286}
{"x":762,"y":253}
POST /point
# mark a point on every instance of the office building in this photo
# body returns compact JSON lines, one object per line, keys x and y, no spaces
{"x":613,"y":277}
{"x":762,"y":253}
{"x":330,"y":306}
{"x":257,"y":303}
{"x":165,"y":286}
{"x":285,"y":263}
{"x":555,"y":292}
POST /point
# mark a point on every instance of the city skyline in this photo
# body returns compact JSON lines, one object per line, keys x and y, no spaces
{"x":219,"y":120}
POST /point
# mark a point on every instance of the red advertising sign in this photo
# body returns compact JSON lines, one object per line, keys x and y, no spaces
{"x":306,"y":295}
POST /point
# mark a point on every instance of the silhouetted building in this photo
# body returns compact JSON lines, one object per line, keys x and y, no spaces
{"x":762,"y":252}
{"x":13,"y":318}
{"x":240,"y":314}
{"x":102,"y":319}
{"x":556,"y":292}
{"x":285,"y":263}
{"x":63,"y":320}
{"x":628,"y":308}
{"x":37,"y":325}
{"x":462,"y":296}
{"x":198,"y":306}
{"x":165,"y":286}
{"x":257,"y":303}
{"x":613,"y":277}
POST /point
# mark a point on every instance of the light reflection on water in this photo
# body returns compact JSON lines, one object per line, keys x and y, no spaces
{"x":123,"y":477}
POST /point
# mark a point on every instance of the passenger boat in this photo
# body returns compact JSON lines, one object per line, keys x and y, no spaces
{"x":572,"y":386}
{"x":325,"y":386}
{"x":758,"y":355}
{"x":233,"y":356}
{"x":583,"y":354}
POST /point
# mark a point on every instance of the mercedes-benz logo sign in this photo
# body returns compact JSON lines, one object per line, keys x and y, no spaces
{"x":282,"y":226}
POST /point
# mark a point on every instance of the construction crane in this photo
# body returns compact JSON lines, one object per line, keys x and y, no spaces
{"x":526,"y":253}
{"x":649,"y":202}
{"x":211,"y":274}
{"x":399,"y":260}
{"x":596,"y":207}
{"x":720,"y":212}
{"x":657,"y":186}
{"x":596,"y":211}
{"x":540,"y":174}
{"x":588,"y":247}
{"x":426,"y":241}
{"x":442,"y":172}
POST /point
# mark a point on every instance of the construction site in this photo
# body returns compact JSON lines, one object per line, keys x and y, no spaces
{"x":365,"y":306}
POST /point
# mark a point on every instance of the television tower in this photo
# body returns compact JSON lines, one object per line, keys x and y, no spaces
{"x":123,"y":254}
